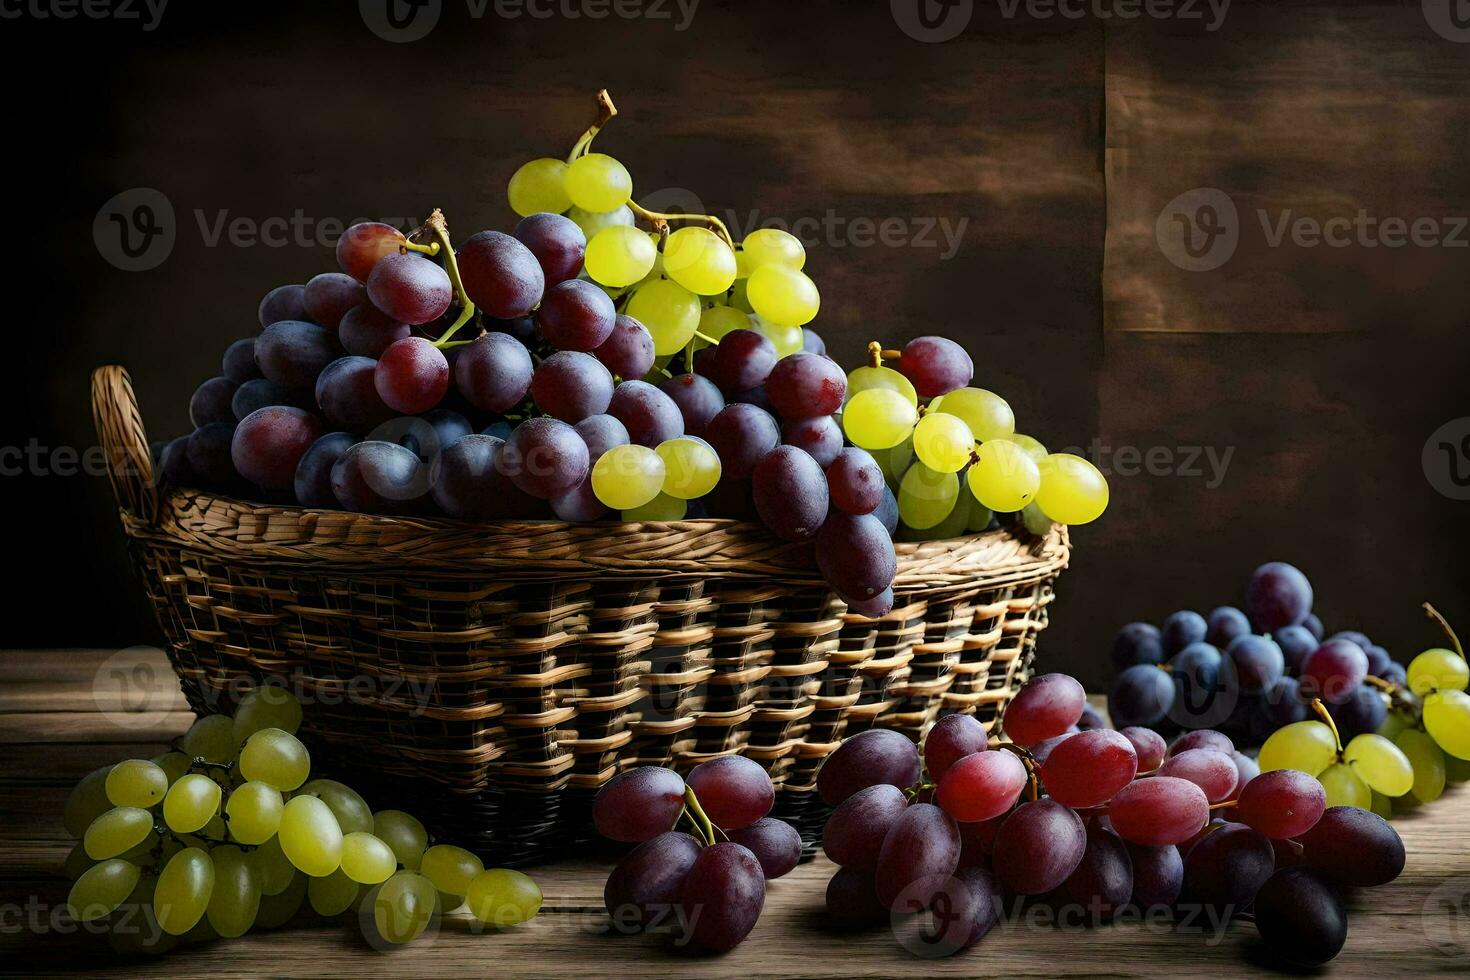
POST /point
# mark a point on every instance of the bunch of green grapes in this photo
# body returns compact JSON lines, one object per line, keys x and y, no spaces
{"x":951,"y":452}
{"x":229,"y":832}
{"x":1423,"y":741}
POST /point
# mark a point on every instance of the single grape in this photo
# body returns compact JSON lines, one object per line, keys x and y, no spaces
{"x":985,"y":414}
{"x":412,"y":376}
{"x":1212,"y":771}
{"x":597,"y":182}
{"x":329,"y":296}
{"x":776,"y":845}
{"x":378,"y":477}
{"x":1433,"y":670}
{"x":267,"y":445}
{"x":852,"y":900}
{"x":1044,"y":707}
{"x":1203,"y":738}
{"x":182,"y":894}
{"x":211,"y":738}
{"x":1334,"y":671}
{"x":191,"y":803}
{"x":502,"y":897}
{"x":363,"y":244}
{"x":403,"y":834}
{"x":944,"y":443}
{"x":332,"y":894}
{"x":451,"y":869}
{"x":783,"y":296}
{"x":820,"y":437}
{"x":366,"y":859}
{"x":504,"y":278}
{"x":638,"y":804}
{"x":927,"y":498}
{"x":1183,"y":629}
{"x":727,"y":885}
{"x":691,"y":467}
{"x":1305,"y":745}
{"x":1300,"y":918}
{"x":1228,"y":867}
{"x":346,"y":392}
{"x":1259,"y":662}
{"x":733,"y":790}
{"x":1278,"y":595}
{"x":645,"y":885}
{"x":981,"y":786}
{"x":699,"y":260}
{"x":283,"y":303}
{"x":1428,"y":762}
{"x":494,"y":372}
{"x":855,"y":555}
{"x":1282,"y":803}
{"x":234,"y":901}
{"x":628,"y":476}
{"x":571,"y":386}
{"x":1352,"y":846}
{"x":557,"y":243}
{"x":879,"y":756}
{"x":1225,"y":625}
{"x":539,"y":185}
{"x":1039,"y":846}
{"x":1283,"y":705}
{"x":920,"y":850}
{"x":259,"y":393}
{"x":804,"y":385}
{"x":1137,"y":643}
{"x":882,"y":378}
{"x":1158,"y":875}
{"x":1103,"y":881}
{"x":211,"y":402}
{"x":136,"y":783}
{"x":366,"y":331}
{"x":1159,"y":810}
{"x":403,"y":906}
{"x":952,"y":738}
{"x":743,"y":435}
{"x":291,"y":353}
{"x":661,"y":509}
{"x":254,"y":811}
{"x":698,"y":399}
{"x":620,"y":256}
{"x":1345,"y":787}
{"x":650,"y":416}
{"x":410,"y":288}
{"x":1205,"y":686}
{"x":772,"y":246}
{"x":743,"y":359}
{"x":275,"y":757}
{"x":310,"y":836}
{"x":669,"y":311}
{"x":601,"y":433}
{"x":1148,"y":745}
{"x":544,"y":457}
{"x":878,"y":418}
{"x":1088,"y":768}
{"x":1072,"y":490}
{"x":628,"y":350}
{"x":790,"y":494}
{"x":854,"y":482}
{"x":936,"y":365}
{"x":855,"y":831}
{"x":117,"y":831}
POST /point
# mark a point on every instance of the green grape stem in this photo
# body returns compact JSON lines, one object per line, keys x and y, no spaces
{"x":701,"y":820}
{"x":438,"y":228}
{"x":605,"y":112}
{"x":660,"y":221}
{"x":1444,"y":624}
{"x":1326,"y":716}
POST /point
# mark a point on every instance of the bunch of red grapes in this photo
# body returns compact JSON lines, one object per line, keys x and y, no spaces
{"x":1091,"y":817}
{"x":705,"y":888}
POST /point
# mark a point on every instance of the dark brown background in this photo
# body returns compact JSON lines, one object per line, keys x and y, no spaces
{"x":1060,"y":140}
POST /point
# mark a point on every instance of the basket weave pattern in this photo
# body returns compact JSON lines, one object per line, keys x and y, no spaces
{"x":546,"y":657}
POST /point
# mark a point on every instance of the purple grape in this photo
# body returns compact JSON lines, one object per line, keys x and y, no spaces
{"x":722,"y":896}
{"x":1203,"y":682}
{"x":1279,"y":595}
{"x":1296,"y":642}
{"x":855,"y":830}
{"x":601,"y":433}
{"x":283,"y":303}
{"x":347,"y":394}
{"x":364,"y":244}
{"x":791,"y":494}
{"x":820,"y":436}
{"x":1158,"y":875}
{"x":493,"y":372}
{"x":557,"y":243}
{"x":643,"y":889}
{"x":211,"y":402}
{"x":803,"y":385}
{"x":293,"y":352}
{"x":268,"y":444}
{"x":579,"y":504}
{"x":239,"y":361}
{"x":1353,"y":847}
{"x":501,"y":275}
{"x":376,"y":477}
{"x":743,"y":359}
{"x":951,"y":739}
{"x":313,"y":480}
{"x":1378,"y":659}
{"x":1138,"y":643}
{"x":1300,"y":917}
{"x":639,"y":804}
{"x":465,"y":483}
{"x":1360,"y":713}
{"x":873,"y":607}
{"x":1224,"y":625}
{"x":734,"y":791}
{"x":208,"y":453}
{"x":259,"y":393}
{"x":1103,"y":881}
{"x":878,"y":756}
{"x":1228,"y":866}
{"x":650,"y":415}
{"x":1091,"y":719}
{"x":431,"y":432}
{"x":855,"y":555}
{"x":920,"y":851}
{"x":812,"y":341}
{"x":330,"y":295}
{"x":1181,"y":629}
{"x":572,"y":386}
{"x":1259,"y":663}
{"x":855,"y":482}
{"x":1314,"y":626}
{"x":1148,"y":745}
{"x":775,"y":843}
{"x":173,"y":463}
{"x":964,"y":908}
{"x":1039,"y":846}
{"x":410,"y":288}
{"x":576,"y":315}
{"x":1355,"y":637}
{"x":936,"y":366}
{"x":1204,"y":738}
{"x":628,"y":350}
{"x":1334,"y":671}
{"x":544,"y":457}
{"x":367,"y":331}
{"x":1141,"y":695}
{"x":412,"y":376}
{"x":742,"y":435}
{"x":1283,"y":705}
{"x":698,"y":400}
{"x":887,"y":511}
{"x":852,"y":900}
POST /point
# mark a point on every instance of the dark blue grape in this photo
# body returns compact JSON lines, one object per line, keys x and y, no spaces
{"x":1181,"y":629}
{"x":1138,"y":643}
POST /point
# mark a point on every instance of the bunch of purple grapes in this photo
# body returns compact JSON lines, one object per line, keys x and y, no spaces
{"x":1249,"y":672}
{"x":1071,"y":812}
{"x":707,"y":887}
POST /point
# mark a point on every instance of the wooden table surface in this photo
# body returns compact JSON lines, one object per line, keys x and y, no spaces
{"x":62,"y":714}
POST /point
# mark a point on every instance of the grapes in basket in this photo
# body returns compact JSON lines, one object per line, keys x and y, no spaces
{"x":601,"y":361}
{"x":1068,"y":818}
{"x":231,"y":831}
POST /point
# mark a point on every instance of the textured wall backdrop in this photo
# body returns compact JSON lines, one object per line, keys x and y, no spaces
{"x":1031,"y":177}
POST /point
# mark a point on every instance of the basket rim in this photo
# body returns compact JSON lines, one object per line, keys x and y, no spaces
{"x":339,"y":541}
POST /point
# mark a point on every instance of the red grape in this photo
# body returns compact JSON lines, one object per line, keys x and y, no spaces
{"x":879,"y":755}
{"x":819,"y":435}
{"x":1044,"y":708}
{"x":951,"y":739}
{"x":790,"y":493}
{"x":313,"y":480}
{"x":377,"y":477}
{"x":743,"y":359}
{"x":367,"y":331}
{"x":493,"y":372}
{"x":645,"y":885}
{"x":855,"y":830}
{"x":1148,"y":745}
{"x":733,"y":790}
{"x":544,"y":457}
{"x":921,"y":850}
{"x":1334,"y":671}
{"x":576,"y":315}
{"x":412,"y":375}
{"x":268,"y":444}
{"x":981,"y":786}
{"x":722,"y":896}
{"x":650,"y":415}
{"x":936,"y":366}
{"x":1214,"y":772}
{"x":1203,"y":738}
{"x":742,"y":435}
{"x":330,"y":295}
{"x":1038,"y":847}
{"x":1282,"y":803}
{"x":1088,"y":768}
{"x":803,"y":385}
{"x":410,"y":288}
{"x":855,"y":481}
{"x":628,"y":350}
{"x":855,"y":555}
{"x":347,"y":394}
{"x":775,"y":843}
{"x":639,"y":804}
{"x":1159,"y":810}
{"x":572,"y":386}
{"x":283,"y":303}
{"x":698,"y":399}
{"x":502,"y":276}
{"x":557,"y":242}
{"x":362,"y":245}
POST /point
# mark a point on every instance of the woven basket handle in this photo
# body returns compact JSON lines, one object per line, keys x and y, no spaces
{"x":124,"y":442}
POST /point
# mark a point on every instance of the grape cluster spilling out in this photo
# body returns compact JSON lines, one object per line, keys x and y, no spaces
{"x":231,"y":831}
{"x":1069,"y":812}
{"x":1339,"y":708}
{"x":597,"y":363}
{"x":704,"y":888}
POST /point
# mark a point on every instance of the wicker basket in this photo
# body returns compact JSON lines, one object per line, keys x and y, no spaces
{"x":491,"y":677}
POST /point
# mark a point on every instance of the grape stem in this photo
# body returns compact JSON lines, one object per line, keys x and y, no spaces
{"x":438,"y":229}
{"x":1444,"y":624}
{"x":660,"y":221}
{"x":1225,"y":803}
{"x":1326,"y":716}
{"x":430,"y":249}
{"x":605,"y":111}
{"x":1033,"y":789}
{"x":702,"y":820}
{"x":877,"y":354}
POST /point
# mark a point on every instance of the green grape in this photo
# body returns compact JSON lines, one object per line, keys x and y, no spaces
{"x":86,"y":802}
{"x":619,"y":256}
{"x":1035,"y":521}
{"x":772,"y":246}
{"x":235,"y":899}
{"x":117,"y":831}
{"x":366,"y":859}
{"x":782,"y":295}
{"x":786,"y":340}
{"x":1447,"y":719}
{"x":691,"y":468}
{"x":660,"y":508}
{"x":699,"y":260}
{"x":925,"y":497}
{"x":102,"y":888}
{"x":254,"y":810}
{"x":878,"y":419}
{"x":592,"y":222}
{"x":183,"y":891}
{"x":1004,"y":478}
{"x":1438,"y":670}
{"x":1394,"y":724}
{"x":276,"y":870}
{"x":717,"y":321}
{"x":502,"y":897}
{"x":895,"y":462}
{"x":943,"y":442}
{"x":350,"y":809}
{"x":451,"y":869}
{"x":310,"y":836}
{"x":333,"y":894}
{"x":1379,"y":763}
{"x":597,"y":182}
{"x":1428,"y":761}
{"x":275,"y":757}
{"x":1304,"y":745}
{"x":1344,"y":787}
{"x":211,"y":738}
{"x":281,"y":907}
{"x":1033,"y":447}
{"x":191,"y":803}
{"x":174,"y":765}
{"x":1382,"y":806}
{"x":1456,"y":770}
{"x":136,"y":782}
{"x":77,"y":861}
{"x":985,"y":412}
{"x":628,"y":476}
{"x":669,"y":311}
{"x":134,"y":928}
{"x":539,"y":185}
{"x":979,"y":516}
{"x":404,"y":906}
{"x":1072,"y":490}
{"x":404,"y":834}
{"x":270,"y":706}
{"x":740,"y":293}
{"x":951,"y":527}
{"x":865,"y":378}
